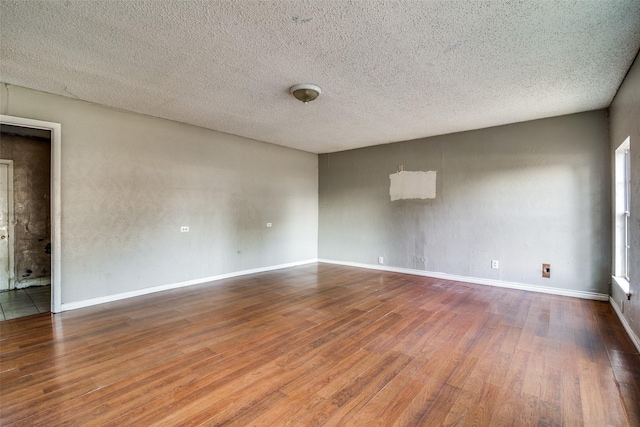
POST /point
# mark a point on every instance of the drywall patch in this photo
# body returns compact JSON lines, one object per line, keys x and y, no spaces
{"x":413,"y":185}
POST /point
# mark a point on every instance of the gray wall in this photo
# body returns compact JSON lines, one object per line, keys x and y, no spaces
{"x":129,"y":182}
{"x":524,"y":194}
{"x":625,"y":122}
{"x":31,"y":190}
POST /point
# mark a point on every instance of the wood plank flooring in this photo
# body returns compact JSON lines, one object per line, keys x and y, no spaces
{"x":323,"y":345}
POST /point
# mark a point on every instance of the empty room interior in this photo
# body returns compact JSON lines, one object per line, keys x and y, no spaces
{"x":323,"y":213}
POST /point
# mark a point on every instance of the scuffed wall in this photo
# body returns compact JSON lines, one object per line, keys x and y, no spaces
{"x":129,"y":182}
{"x":32,"y":220}
{"x":523,"y":194}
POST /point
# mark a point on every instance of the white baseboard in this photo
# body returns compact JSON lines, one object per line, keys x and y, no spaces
{"x":477,"y":280}
{"x":110,"y":298}
{"x":625,"y":324}
{"x":444,"y":276}
{"x":27,"y":283}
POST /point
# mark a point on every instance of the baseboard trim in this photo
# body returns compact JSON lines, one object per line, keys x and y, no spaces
{"x":27,"y":283}
{"x":139,"y":292}
{"x":627,"y":327}
{"x":479,"y":281}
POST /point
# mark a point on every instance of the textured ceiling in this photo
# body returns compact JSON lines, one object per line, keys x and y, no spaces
{"x":389,"y":70}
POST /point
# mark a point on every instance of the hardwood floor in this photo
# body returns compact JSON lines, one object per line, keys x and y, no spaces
{"x":323,"y":345}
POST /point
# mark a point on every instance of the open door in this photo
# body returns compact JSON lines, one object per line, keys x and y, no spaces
{"x":5,"y":222}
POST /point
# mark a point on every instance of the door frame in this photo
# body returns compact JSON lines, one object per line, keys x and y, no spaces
{"x":56,"y":211}
{"x":10,"y":225}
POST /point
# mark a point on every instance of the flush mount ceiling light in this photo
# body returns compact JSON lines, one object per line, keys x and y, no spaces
{"x":306,"y":92}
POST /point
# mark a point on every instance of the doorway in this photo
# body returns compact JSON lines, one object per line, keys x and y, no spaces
{"x":42,"y":229}
{"x":25,"y":220}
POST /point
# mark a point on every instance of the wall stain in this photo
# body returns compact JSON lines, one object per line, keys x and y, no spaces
{"x":298,"y":20}
{"x":451,"y":48}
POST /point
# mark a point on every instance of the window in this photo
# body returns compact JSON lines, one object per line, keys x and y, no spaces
{"x":622,"y":214}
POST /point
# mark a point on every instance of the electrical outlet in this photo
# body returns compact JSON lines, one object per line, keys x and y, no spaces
{"x":269,"y":224}
{"x":546,"y":270}
{"x":380,"y":260}
{"x":494,"y":264}
{"x":184,"y":229}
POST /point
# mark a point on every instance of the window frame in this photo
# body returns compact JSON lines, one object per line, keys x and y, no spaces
{"x":622,"y":214}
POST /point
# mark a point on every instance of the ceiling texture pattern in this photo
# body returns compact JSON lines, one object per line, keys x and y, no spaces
{"x":389,"y":70}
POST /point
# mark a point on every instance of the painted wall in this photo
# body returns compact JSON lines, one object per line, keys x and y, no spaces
{"x":31,"y":190}
{"x":524,"y":194}
{"x":129,"y":182}
{"x":625,"y":122}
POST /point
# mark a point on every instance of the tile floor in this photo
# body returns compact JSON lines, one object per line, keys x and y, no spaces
{"x":25,"y":302}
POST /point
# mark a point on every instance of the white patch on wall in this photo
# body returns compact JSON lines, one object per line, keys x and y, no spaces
{"x":413,"y":185}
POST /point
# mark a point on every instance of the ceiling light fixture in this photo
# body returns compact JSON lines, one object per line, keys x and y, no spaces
{"x":306,"y":92}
